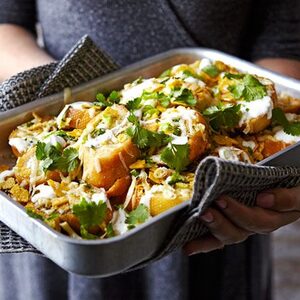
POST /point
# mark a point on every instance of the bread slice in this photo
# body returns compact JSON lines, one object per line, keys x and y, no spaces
{"x":28,"y":170}
{"x":103,"y":166}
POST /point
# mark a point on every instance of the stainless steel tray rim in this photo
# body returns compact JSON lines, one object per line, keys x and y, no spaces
{"x":97,"y":242}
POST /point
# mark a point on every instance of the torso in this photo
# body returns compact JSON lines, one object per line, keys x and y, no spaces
{"x":131,"y":30}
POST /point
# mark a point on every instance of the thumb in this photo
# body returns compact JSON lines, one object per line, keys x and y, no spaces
{"x":280,"y":199}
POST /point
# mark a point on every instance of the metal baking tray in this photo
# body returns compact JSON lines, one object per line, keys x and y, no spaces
{"x":101,"y":258}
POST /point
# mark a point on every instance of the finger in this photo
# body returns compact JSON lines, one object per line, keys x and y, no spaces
{"x":255,"y":219}
{"x":280,"y":199}
{"x":203,"y":245}
{"x":222,"y":229}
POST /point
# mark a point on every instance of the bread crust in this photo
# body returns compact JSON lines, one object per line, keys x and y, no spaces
{"x":102,"y":167}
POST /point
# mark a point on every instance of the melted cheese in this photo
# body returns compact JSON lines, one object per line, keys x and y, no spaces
{"x":118,"y":222}
{"x":292,"y":117}
{"x":146,"y":198}
{"x":249,"y":144}
{"x":186,"y":79}
{"x":76,"y":105}
{"x":122,"y":126}
{"x":101,"y":139}
{"x":186,"y":117}
{"x":135,"y":91}
{"x":166,"y":190}
{"x":193,"y":80}
{"x":130,"y":191}
{"x":80,"y":105}
{"x":33,"y":165}
{"x":5,"y":174}
{"x":233,"y":154}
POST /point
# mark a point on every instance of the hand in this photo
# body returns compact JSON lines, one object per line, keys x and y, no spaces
{"x":234,"y":222}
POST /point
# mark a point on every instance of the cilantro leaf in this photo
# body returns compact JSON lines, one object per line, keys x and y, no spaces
{"x":188,"y":73}
{"x":150,"y":95}
{"x":186,"y":96}
{"x":33,"y":214}
{"x":86,"y":235}
{"x":234,"y":76}
{"x":54,"y":158}
{"x":72,"y":159}
{"x":110,"y":231}
{"x":53,"y":216}
{"x":133,"y":119}
{"x":163,"y":99}
{"x":211,"y":70}
{"x":149,"y":110}
{"x":61,"y":133}
{"x":176,"y":177}
{"x":44,"y":150}
{"x":114,"y":97}
{"x":48,"y":154}
{"x":134,"y":104}
{"x":90,"y":213}
{"x":97,"y":132}
{"x":166,"y":73}
{"x":248,"y":88}
{"x":253,"y":88}
{"x":236,"y":90}
{"x":145,"y":138}
{"x":135,"y":173}
{"x":292,"y":128}
{"x":69,"y":160}
{"x":101,"y":100}
{"x":40,"y":151}
{"x":279,"y":117}
{"x":46,"y":164}
{"x":223,"y":117}
{"x":176,"y":156}
{"x":138,"y":215}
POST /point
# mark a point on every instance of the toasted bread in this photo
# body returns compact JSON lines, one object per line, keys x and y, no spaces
{"x":270,"y":147}
{"x":102,"y":167}
{"x":256,"y":125}
{"x":24,"y":170}
{"x":77,"y":115}
{"x":159,"y":204}
{"x":288,"y":104}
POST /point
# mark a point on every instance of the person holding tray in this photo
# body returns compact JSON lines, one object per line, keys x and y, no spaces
{"x":267,"y":34}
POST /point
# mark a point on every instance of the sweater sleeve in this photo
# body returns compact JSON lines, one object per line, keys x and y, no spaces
{"x":276,"y":24}
{"x":19,"y":12}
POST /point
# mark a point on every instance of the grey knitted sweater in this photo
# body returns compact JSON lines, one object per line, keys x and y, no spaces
{"x":130,"y":30}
